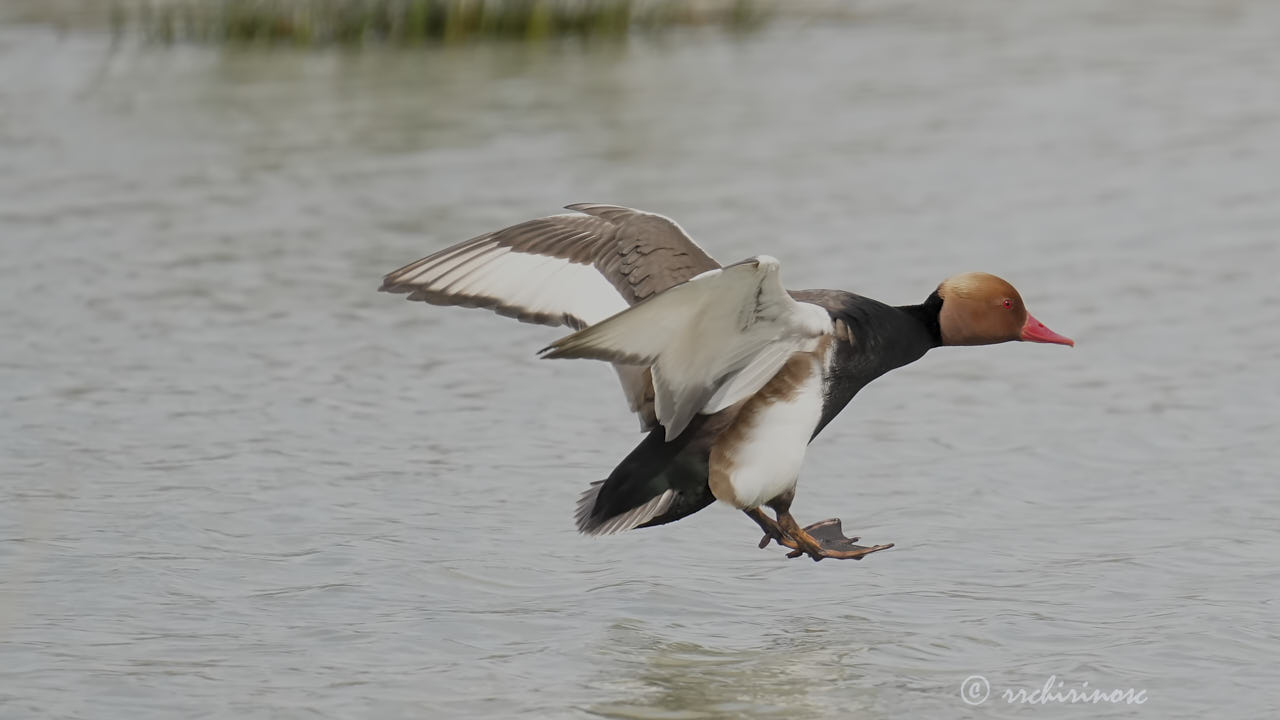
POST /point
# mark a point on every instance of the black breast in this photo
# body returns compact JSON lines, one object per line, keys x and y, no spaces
{"x":872,"y":338}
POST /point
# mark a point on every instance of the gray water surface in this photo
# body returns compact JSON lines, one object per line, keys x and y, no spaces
{"x":238,"y":482}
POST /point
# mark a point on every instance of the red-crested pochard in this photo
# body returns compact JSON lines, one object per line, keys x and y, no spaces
{"x":731,"y":374}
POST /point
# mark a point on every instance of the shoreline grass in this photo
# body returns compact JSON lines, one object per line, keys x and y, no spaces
{"x":319,"y":23}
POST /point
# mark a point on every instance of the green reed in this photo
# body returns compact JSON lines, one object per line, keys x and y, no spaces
{"x":415,"y":22}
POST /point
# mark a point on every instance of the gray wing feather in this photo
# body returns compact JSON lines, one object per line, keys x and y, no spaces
{"x":640,"y":254}
{"x":650,"y":253}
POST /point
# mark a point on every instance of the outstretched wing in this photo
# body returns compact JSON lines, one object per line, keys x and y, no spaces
{"x":710,"y":342}
{"x":572,"y":269}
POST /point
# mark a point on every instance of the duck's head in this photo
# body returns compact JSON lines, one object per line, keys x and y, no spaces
{"x":982,"y":309}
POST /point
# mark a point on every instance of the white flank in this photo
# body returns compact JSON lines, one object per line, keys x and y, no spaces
{"x":767,"y":460}
{"x":711,"y":342}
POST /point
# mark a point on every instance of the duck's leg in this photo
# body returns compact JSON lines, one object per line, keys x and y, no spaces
{"x":820,"y":540}
{"x":774,"y":533}
{"x":768,"y":525}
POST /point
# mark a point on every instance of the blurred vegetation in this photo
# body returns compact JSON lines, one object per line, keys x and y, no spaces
{"x":416,"y":22}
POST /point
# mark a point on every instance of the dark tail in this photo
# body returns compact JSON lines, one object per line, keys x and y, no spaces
{"x":659,"y":482}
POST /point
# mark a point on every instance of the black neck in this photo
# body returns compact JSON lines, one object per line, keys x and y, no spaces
{"x":884,"y":337}
{"x":927,"y":314}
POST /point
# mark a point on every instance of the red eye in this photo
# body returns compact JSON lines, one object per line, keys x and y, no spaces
{"x":1007,"y":303}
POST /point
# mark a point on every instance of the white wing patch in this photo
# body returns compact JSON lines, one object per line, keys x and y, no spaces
{"x":711,"y":342}
{"x":751,"y":378}
{"x":515,"y":283}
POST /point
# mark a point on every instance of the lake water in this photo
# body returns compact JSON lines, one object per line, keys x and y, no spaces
{"x":237,"y":482}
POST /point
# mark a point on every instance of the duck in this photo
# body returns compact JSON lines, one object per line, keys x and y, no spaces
{"x":730,"y":374}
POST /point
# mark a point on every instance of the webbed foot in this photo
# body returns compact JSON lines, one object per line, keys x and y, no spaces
{"x":832,"y":542}
{"x":828,"y":541}
{"x":824,"y":539}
